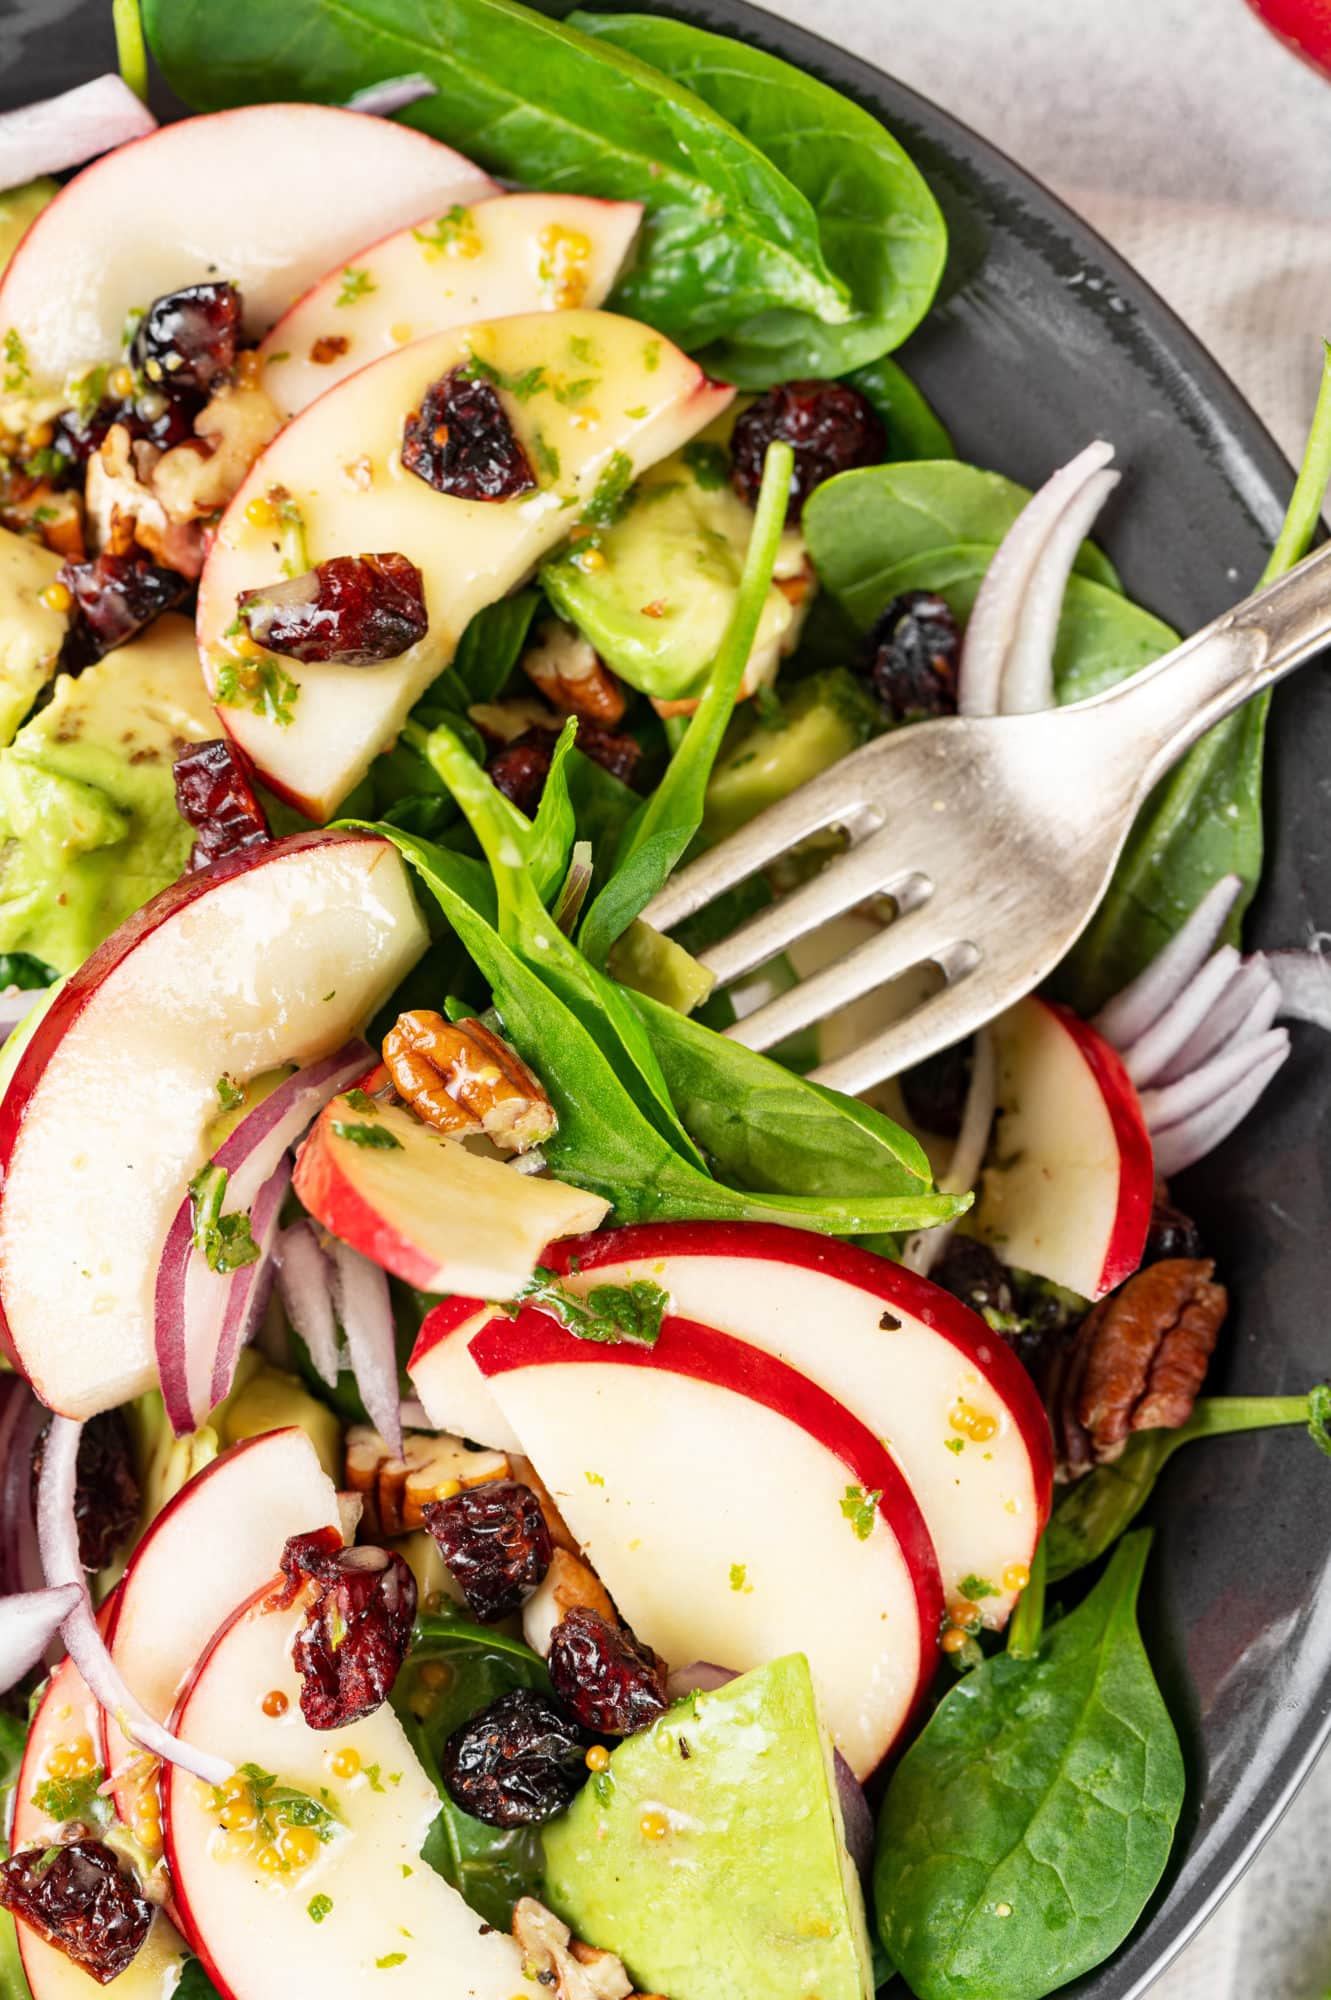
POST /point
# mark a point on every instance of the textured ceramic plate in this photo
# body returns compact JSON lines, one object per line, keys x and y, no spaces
{"x":1042,"y":340}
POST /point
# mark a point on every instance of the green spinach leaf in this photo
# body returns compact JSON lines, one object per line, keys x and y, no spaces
{"x":1026,"y":1827}
{"x":913,"y":430}
{"x":727,"y":236}
{"x":880,"y":228}
{"x":487,"y":652}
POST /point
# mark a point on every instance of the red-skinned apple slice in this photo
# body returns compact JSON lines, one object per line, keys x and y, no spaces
{"x":274,"y":955}
{"x":516,"y":253}
{"x":425,"y":1208}
{"x":733,"y":1509}
{"x":68,"y":1720}
{"x":600,"y":396}
{"x":240,"y":1510}
{"x":1072,"y":1180}
{"x":241,"y":194}
{"x":385,"y":1909}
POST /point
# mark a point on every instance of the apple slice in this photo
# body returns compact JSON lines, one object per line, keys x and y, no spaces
{"x":453,"y":1392}
{"x":598,"y":397}
{"x":733,"y":1509}
{"x":1071,"y":1180}
{"x":67,"y":1723}
{"x":213,"y":1546}
{"x":270,"y":196}
{"x":381,"y":1907}
{"x":274,"y":955}
{"x":425,"y":1208}
{"x":516,"y":253}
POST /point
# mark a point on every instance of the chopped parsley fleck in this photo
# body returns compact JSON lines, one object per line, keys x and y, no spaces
{"x":377,"y":1138}
{"x":956,"y":1445}
{"x":611,"y":1313}
{"x":976,"y":1587}
{"x":547,"y":458}
{"x":407,"y":1869}
{"x":861,"y":1509}
{"x":455,"y":230}
{"x":708,"y":464}
{"x":391,"y":1958}
{"x":638,"y":412}
{"x":594,"y":1478}
{"x":262,"y":685}
{"x":582,"y":349}
{"x":360,"y":1100}
{"x":65,"y":1799}
{"x":355,"y":285}
{"x":372,"y":1773}
{"x":739,"y":1577}
{"x":611,"y":492}
{"x":226,"y":1241}
{"x":277,"y":1806}
{"x":603,"y":1784}
{"x":319,"y":1907}
{"x":524,"y":386}
{"x":17,"y":372}
{"x":651,"y":356}
{"x":570,"y":393}
{"x":229,"y":1095}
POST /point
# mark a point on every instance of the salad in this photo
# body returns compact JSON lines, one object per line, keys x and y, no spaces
{"x":503,"y":1488}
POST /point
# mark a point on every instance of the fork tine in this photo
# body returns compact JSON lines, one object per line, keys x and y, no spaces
{"x":923,"y":934}
{"x":945,"y":1017}
{"x":867,"y":870}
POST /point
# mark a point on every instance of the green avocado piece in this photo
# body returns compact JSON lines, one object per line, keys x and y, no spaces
{"x":88,"y":822}
{"x":652,"y":963}
{"x":272,"y":1400}
{"x":18,"y":207}
{"x":750,"y":1889}
{"x":31,"y":634}
{"x":822,"y":719}
{"x":654,"y":591}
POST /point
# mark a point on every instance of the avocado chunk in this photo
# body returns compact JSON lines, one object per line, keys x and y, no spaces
{"x":31,"y":633}
{"x":654,"y":590}
{"x":821,"y":720}
{"x":749,"y":1889}
{"x":652,"y":963}
{"x":88,"y":822}
{"x":272,"y":1400}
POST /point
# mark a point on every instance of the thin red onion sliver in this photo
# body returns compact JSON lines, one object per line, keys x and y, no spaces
{"x":856,"y":1818}
{"x":251,"y":1152}
{"x":414,"y":1416}
{"x":28,"y":1624}
{"x":21,"y":1422}
{"x":1182,"y":1145}
{"x":365,"y":1308}
{"x":64,"y":131}
{"x":1191,"y":1094}
{"x":1304,"y":979}
{"x":305,"y":1281}
{"x":58,"y":1534}
{"x":1147,"y":1057}
{"x":699,"y":1677}
{"x":1129,"y":1014}
{"x":395,"y":93}
{"x":1027,"y":681}
{"x":1246,"y":1008}
{"x":249,"y":1286}
{"x":963,"y":1170}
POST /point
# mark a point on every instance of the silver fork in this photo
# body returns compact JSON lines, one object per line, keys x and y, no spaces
{"x":994,"y":837}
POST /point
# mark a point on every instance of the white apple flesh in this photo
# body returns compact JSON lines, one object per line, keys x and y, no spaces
{"x":269,"y":196}
{"x":635,"y":399}
{"x":453,"y":1392}
{"x":275,"y":955}
{"x":516,"y":253}
{"x":1070,"y":1186}
{"x":386,"y":1910}
{"x":734,"y":1511}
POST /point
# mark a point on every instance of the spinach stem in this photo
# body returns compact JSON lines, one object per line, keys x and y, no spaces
{"x":1027,"y":1626}
{"x":1305,"y":506}
{"x":131,"y":51}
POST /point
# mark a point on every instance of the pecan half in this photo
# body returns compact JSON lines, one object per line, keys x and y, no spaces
{"x":551,"y":1955}
{"x":570,"y":673}
{"x":460,"y":1077}
{"x":1137,"y":1361}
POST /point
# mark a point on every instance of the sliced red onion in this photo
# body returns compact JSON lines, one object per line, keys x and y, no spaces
{"x":21,"y":1421}
{"x":533,"y":1161}
{"x":1304,"y":979}
{"x":251,"y":1284}
{"x":414,"y":1417}
{"x":924,"y":1248}
{"x":1027,"y":682}
{"x":58,"y":1534}
{"x":1246,"y":1008}
{"x":995,"y":618}
{"x":856,"y":1818}
{"x":365,"y":1308}
{"x":1131,"y":1012}
{"x":1147,"y":1057}
{"x":252,"y":1151}
{"x":1188,"y":1141}
{"x":64,"y":131}
{"x":28,"y":1624}
{"x":1194,"y":1092}
{"x":395,"y":93}
{"x":17,"y":1003}
{"x":702,"y":1677}
{"x":305,"y":1280}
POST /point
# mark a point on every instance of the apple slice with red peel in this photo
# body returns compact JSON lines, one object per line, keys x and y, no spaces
{"x":275,"y":955}
{"x":516,"y":253}
{"x":733,"y":1509}
{"x":214,"y":1545}
{"x":427,"y":1209}
{"x":67,"y":1725}
{"x":1071,"y":1180}
{"x":454,"y":1394}
{"x":383,"y":1908}
{"x":595,"y":397}
{"x":244,"y":195}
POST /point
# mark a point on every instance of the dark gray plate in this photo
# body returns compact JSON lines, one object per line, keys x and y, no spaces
{"x":1045,"y":339}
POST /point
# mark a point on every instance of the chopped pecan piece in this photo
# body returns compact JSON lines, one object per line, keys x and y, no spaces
{"x":396,"y":1491}
{"x":570,"y":673}
{"x":570,"y":1585}
{"x":1138,"y":1360}
{"x":574,"y":1971}
{"x":460,"y":1077}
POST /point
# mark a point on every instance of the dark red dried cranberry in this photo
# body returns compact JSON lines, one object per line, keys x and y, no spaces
{"x":79,"y":433}
{"x":617,"y":754}
{"x":81,"y":1901}
{"x":115,"y":597}
{"x":829,"y":426}
{"x":460,"y":441}
{"x":518,"y":1762}
{"x":935,"y":1090}
{"x":187,"y":339}
{"x":1171,"y":1234}
{"x":357,"y":1626}
{"x":495,"y":1541}
{"x":106,"y":1487}
{"x":972,"y":1273}
{"x":913,"y":653}
{"x":519,"y":769}
{"x":215,"y":797}
{"x":604,"y":1676}
{"x":352,"y":611}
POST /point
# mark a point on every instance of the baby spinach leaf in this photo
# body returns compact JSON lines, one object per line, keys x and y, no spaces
{"x":726,"y":236}
{"x":1091,"y":1514}
{"x":913,"y":430}
{"x":1026,"y":1827}
{"x":488,"y":651}
{"x":880,"y":228}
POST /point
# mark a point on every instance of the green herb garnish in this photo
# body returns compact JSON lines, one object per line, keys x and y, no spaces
{"x":377,"y":1138}
{"x":355,"y":285}
{"x":65,"y":1799}
{"x":615,"y":1314}
{"x":226,"y":1241}
{"x":708,"y":464}
{"x":264,"y":686}
{"x":319,"y":1907}
{"x":611,"y":492}
{"x":229,"y":1095}
{"x":860,"y":1508}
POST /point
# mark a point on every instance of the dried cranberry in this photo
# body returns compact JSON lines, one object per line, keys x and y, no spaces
{"x":518,"y":1762}
{"x":357,"y":1627}
{"x":613,"y":1684}
{"x":972,"y":1273}
{"x":106,"y":1487}
{"x":81,"y":1901}
{"x":460,"y":441}
{"x":352,"y":611}
{"x":187,"y":339}
{"x":829,"y":426}
{"x":1171,"y":1234}
{"x":519,"y":769}
{"x":617,"y":754}
{"x":158,"y":419}
{"x":215,"y":797}
{"x":913,"y":653}
{"x":79,"y":433}
{"x":114,"y":598}
{"x":935,"y":1090}
{"x":495,"y":1541}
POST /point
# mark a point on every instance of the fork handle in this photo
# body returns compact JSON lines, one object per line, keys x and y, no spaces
{"x":1164,"y":709}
